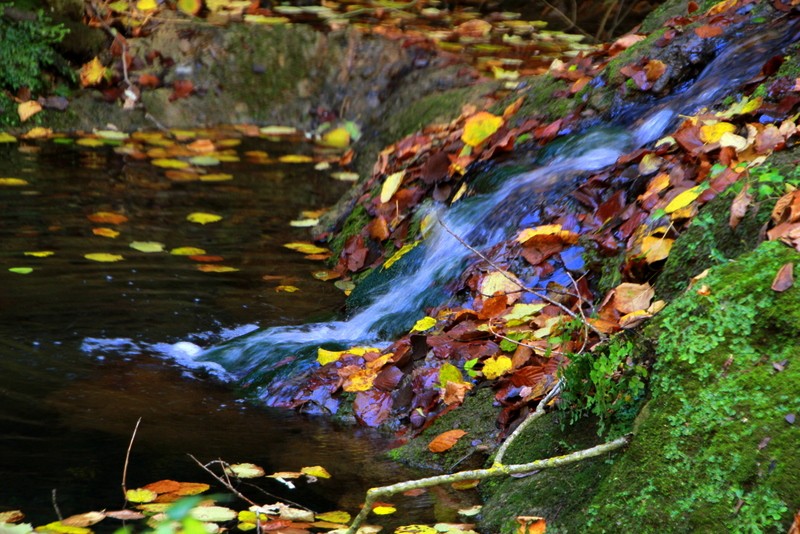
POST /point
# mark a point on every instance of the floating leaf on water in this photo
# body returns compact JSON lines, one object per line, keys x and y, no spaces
{"x":192,"y":488}
{"x":262,"y":19}
{"x":287,"y":289}
{"x":496,"y":367}
{"x":147,"y":246}
{"x":479,"y":127}
{"x":415,"y":529}
{"x":111,"y":134}
{"x":103,"y":257}
{"x":423,"y":324}
{"x":463,"y":485}
{"x":383,"y":509}
{"x":213,"y":513}
{"x":278,"y":130}
{"x":471,"y":511}
{"x":11,"y":516}
{"x":200,"y":217}
{"x":304,"y":223}
{"x":206,"y":258}
{"x":326,"y":275}
{"x":61,"y":528}
{"x":163,"y":486}
{"x":91,"y":142}
{"x":305,"y":248}
{"x":84,"y":520}
{"x":295,"y":158}
{"x":219,"y":177}
{"x":105,"y":232}
{"x":203,"y":161}
{"x":334,"y":517}
{"x":344,"y":176}
{"x":108,"y":217}
{"x":316,"y":471}
{"x":141,"y":495}
{"x":13,"y":181}
{"x":28,"y":109}
{"x":390,"y":186}
{"x":21,"y":270}
{"x":126,"y":515}
{"x":345,"y":285}
{"x":446,"y":440}
{"x":208,"y":268}
{"x":7,"y":138}
{"x":170,"y":163}
{"x":187,"y":251}
{"x":245,"y":470}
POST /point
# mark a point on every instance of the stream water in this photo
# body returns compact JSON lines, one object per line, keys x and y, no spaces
{"x":83,"y":344}
{"x":259,"y":358}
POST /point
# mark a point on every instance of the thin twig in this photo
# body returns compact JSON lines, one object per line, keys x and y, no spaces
{"x":517,"y":282}
{"x":501,"y":451}
{"x":223,"y":482}
{"x":570,"y":22}
{"x":127,"y":459}
{"x":55,"y":504}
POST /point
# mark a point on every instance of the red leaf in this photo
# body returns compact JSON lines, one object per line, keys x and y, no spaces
{"x":784,"y":279}
{"x":372,"y":408}
{"x":707,"y":31}
{"x":181,"y":89}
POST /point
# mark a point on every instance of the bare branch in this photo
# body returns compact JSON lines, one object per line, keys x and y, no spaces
{"x":127,"y":459}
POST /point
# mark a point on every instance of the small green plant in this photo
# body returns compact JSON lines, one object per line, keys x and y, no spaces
{"x":606,"y":384}
{"x":26,"y":47}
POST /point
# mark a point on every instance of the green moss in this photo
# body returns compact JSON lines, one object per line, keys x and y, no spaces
{"x":353,"y":224}
{"x":540,"y":99}
{"x":713,"y":451}
{"x":476,"y":416}
{"x":436,"y":107}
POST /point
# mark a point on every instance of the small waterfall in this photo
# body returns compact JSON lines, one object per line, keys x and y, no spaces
{"x":259,"y":358}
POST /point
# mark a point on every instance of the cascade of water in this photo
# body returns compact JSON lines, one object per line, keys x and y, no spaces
{"x":262,"y":356}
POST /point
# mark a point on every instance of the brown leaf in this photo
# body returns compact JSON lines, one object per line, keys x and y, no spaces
{"x":445,"y":441}
{"x":784,"y":279}
{"x":708,"y":30}
{"x":373,"y":407}
{"x":630,"y":297}
{"x":163,"y":486}
{"x":739,"y":206}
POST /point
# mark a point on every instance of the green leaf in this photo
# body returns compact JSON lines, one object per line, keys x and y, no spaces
{"x":21,"y":270}
{"x":140,"y":495}
{"x":449,"y":373}
{"x":147,"y":246}
{"x":245,"y":470}
{"x":480,"y":127}
{"x":103,"y":257}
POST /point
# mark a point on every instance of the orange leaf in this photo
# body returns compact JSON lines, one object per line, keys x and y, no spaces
{"x":531,"y":525}
{"x":784,"y":279}
{"x":107,"y":217}
{"x":92,"y":73}
{"x":163,"y":486}
{"x":707,"y":31}
{"x":445,"y":441}
{"x":28,"y":109}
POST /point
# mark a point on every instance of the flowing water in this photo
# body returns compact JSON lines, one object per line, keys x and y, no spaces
{"x":83,"y":344}
{"x":259,"y":358}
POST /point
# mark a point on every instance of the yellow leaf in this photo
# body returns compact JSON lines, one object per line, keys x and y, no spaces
{"x":325,"y":356}
{"x":61,"y":528}
{"x":684,"y":199}
{"x":295,"y":158}
{"x":415,"y":529}
{"x":304,"y":223}
{"x":140,"y":495}
{"x":305,"y":248}
{"x":712,"y":133}
{"x":7,"y":138}
{"x":479,"y":127}
{"x":13,"y":181}
{"x":28,"y":109}
{"x":547,"y":230}
{"x":146,"y":5}
{"x":147,"y":246}
{"x":278,"y":130}
{"x":245,"y":470}
{"x":92,"y":73}
{"x":650,"y":164}
{"x":334,"y":517}
{"x":336,"y":138}
{"x":316,"y":471}
{"x":103,"y":257}
{"x":187,"y":251}
{"x":90,"y":142}
{"x":360,"y":381}
{"x":502,"y":282}
{"x":424,"y":324}
{"x":263,"y":19}
{"x":287,"y":289}
{"x":656,"y":248}
{"x":190,"y":7}
{"x":40,"y":253}
{"x":169,"y":163}
{"x":384,"y":509}
{"x":38,"y":132}
{"x":105,"y":232}
{"x":203,"y":218}
{"x":495,"y":367}
{"x":399,"y":254}
{"x":391,"y":185}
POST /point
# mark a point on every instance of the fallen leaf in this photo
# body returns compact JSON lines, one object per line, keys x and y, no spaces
{"x":423,"y":324}
{"x":187,"y":251}
{"x":383,"y":509}
{"x":316,"y":471}
{"x":445,"y":441}
{"x":40,"y":253}
{"x":531,"y":525}
{"x":103,"y":257}
{"x":245,"y":470}
{"x":479,"y":127}
{"x":684,"y":199}
{"x":147,"y":246}
{"x":334,"y":517}
{"x":213,"y":514}
{"x":203,"y":218}
{"x":629,"y":297}
{"x":305,"y":248}
{"x":295,"y":158}
{"x":712,"y":133}
{"x":105,"y":232}
{"x":84,"y":520}
{"x":11,"y":516}
{"x":496,"y":367}
{"x":20,"y":270}
{"x":390,"y":186}
{"x":656,"y":248}
{"x":92,"y":73}
{"x":207,"y":268}
{"x":336,"y":138}
{"x":784,"y":279}
{"x":140,"y":495}
{"x":107,"y":217}
{"x":163,"y":486}
{"x":28,"y":109}
{"x":13,"y":181}
{"x":170,"y":163}
{"x":708,"y":30}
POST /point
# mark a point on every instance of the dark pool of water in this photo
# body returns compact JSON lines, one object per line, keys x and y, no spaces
{"x":77,"y":362}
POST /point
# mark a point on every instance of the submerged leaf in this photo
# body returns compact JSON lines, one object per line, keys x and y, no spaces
{"x":13,"y":181}
{"x":105,"y":232}
{"x":20,"y":270}
{"x":40,"y":253}
{"x":107,"y":217}
{"x":245,"y":470}
{"x":187,"y":251}
{"x":305,"y":248}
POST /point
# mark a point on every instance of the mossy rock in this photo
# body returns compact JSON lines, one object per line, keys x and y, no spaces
{"x":560,"y":495}
{"x":476,"y":416}
{"x":714,"y":450}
